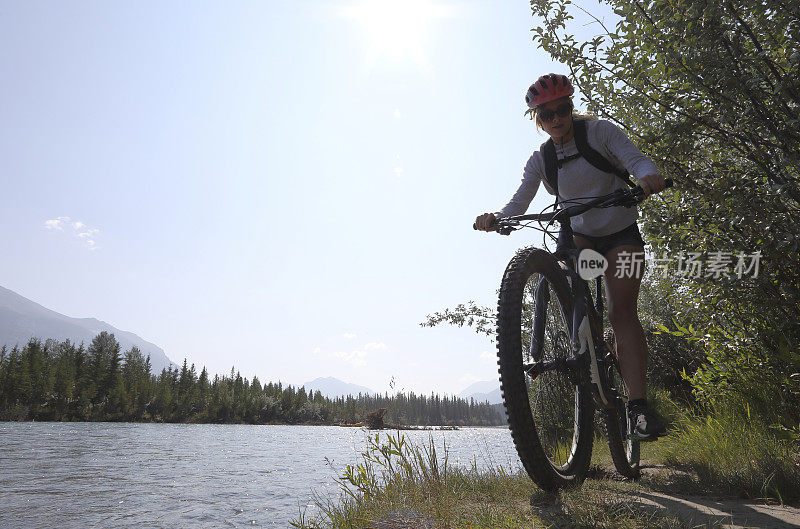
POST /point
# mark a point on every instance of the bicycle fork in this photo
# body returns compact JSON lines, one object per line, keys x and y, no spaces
{"x":568,"y":366}
{"x":583,"y":347}
{"x":541,"y":300}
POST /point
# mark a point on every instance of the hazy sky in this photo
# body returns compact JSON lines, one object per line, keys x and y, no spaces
{"x":284,"y":186}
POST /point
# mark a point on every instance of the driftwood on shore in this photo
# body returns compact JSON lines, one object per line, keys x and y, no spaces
{"x":401,"y":427}
{"x":374,"y":421}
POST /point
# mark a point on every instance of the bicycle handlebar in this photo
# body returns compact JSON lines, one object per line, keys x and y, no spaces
{"x":622,"y":197}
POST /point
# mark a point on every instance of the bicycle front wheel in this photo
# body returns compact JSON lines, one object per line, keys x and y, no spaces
{"x":550,"y":415}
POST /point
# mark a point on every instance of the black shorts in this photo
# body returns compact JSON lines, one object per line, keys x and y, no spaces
{"x":629,"y":235}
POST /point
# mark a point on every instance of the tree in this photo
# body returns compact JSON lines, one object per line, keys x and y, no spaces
{"x":64,"y":378}
{"x":80,"y":408}
{"x":105,"y":360}
{"x":711,"y":92}
{"x":16,"y":385}
{"x":202,"y":389}
{"x":39,"y":383}
{"x":59,"y":381}
{"x":136,"y":379}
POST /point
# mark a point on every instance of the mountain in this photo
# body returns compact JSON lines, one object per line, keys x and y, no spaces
{"x":493,"y":397}
{"x":484,"y":390}
{"x":333,"y":387}
{"x":22,"y":319}
{"x":482,"y":386}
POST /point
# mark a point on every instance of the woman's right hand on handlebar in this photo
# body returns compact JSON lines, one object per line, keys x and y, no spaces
{"x":486,"y":222}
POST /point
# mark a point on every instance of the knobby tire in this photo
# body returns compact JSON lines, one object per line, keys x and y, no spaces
{"x":522,"y":396}
{"x":624,"y":452}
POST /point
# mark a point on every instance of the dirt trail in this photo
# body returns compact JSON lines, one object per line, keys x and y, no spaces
{"x":724,"y":513}
{"x":727,"y":513}
{"x":663,"y":490}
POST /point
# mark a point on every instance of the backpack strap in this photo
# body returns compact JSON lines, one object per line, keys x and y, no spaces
{"x":552,"y":163}
{"x":594,"y":157}
{"x":548,"y":149}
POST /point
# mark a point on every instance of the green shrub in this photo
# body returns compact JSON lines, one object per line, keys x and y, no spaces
{"x":733,"y":451}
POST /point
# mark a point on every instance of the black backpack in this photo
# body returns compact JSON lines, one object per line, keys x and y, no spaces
{"x":552,"y":163}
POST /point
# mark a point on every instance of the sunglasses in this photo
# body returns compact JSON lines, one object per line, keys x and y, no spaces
{"x":562,"y":111}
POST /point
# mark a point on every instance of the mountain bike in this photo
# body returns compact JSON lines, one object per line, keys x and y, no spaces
{"x":556,"y":364}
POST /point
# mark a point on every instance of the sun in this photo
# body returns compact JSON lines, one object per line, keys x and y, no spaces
{"x":396,"y":30}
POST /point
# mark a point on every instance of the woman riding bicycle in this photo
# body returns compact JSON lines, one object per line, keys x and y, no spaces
{"x":611,"y":231}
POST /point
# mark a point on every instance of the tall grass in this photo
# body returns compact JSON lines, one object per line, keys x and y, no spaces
{"x":398,"y":485}
{"x":732,"y":451}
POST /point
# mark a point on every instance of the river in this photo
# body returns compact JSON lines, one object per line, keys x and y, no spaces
{"x":79,"y":475}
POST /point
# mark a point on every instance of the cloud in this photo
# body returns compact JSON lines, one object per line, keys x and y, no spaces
{"x":56,"y":224}
{"x":78,"y":229}
{"x":354,"y":358}
{"x":349,"y":335}
{"x":488,"y":357}
{"x":397,"y":114}
{"x":358,"y":357}
{"x":398,"y":172}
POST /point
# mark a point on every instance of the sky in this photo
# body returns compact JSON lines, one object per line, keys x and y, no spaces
{"x":283,"y":186}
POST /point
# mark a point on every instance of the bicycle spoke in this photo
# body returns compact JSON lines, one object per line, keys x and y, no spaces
{"x":552,"y":393}
{"x":550,"y":418}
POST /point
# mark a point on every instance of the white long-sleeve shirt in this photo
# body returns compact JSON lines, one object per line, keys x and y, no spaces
{"x":578,"y":178}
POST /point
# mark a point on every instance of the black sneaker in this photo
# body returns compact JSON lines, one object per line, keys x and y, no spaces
{"x":644,"y":424}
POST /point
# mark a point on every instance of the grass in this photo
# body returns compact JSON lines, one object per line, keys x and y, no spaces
{"x":397,"y":485}
{"x":400,"y":485}
{"x":735,"y":454}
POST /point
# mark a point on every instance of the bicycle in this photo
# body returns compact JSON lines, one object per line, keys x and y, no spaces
{"x":556,"y":364}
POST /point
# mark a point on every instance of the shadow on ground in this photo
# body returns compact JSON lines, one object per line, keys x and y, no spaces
{"x":679,"y":493}
{"x":728,"y":513}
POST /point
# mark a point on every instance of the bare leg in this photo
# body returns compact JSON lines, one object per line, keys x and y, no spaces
{"x":622,"y":294}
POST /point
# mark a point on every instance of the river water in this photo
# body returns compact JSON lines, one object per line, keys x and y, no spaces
{"x":80,"y":475}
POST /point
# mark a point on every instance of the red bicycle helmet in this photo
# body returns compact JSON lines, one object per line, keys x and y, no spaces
{"x":548,"y":88}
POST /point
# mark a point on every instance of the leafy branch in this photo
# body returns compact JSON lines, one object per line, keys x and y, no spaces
{"x":482,"y":319}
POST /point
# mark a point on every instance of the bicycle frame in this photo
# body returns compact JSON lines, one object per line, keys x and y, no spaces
{"x":587,"y":320}
{"x":586,"y":317}
{"x":585,"y":372}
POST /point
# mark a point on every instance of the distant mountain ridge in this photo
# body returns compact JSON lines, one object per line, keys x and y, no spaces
{"x":492,"y":397}
{"x":483,"y":390}
{"x":333,"y":387}
{"x":22,"y":319}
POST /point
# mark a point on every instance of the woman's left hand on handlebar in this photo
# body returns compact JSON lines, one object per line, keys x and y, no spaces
{"x":652,"y":184}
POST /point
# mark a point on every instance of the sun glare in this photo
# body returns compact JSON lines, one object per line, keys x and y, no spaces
{"x":396,"y":29}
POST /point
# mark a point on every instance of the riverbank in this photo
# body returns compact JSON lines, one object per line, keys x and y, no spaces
{"x":510,"y":504}
{"x":398,"y":485}
{"x":388,"y":427}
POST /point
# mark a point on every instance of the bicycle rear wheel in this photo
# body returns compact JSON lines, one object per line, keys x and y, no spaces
{"x":550,"y":416}
{"x":625,"y":453}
